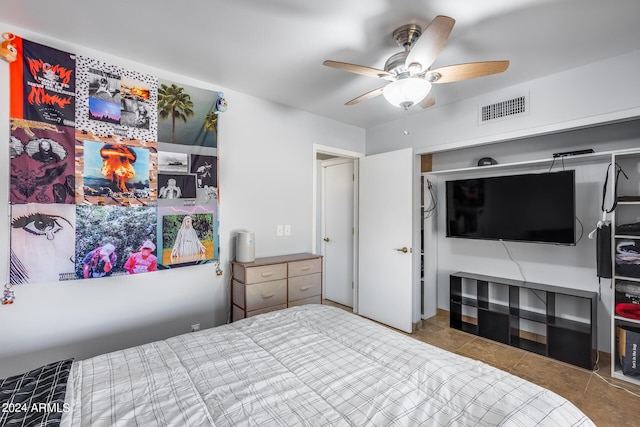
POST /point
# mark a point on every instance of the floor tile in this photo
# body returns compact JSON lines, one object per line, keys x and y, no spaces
{"x":492,"y":353}
{"x":610,"y":406}
{"x":566,"y":380}
{"x":443,"y":336}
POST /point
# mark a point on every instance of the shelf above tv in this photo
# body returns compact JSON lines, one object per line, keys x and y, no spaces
{"x":581,"y":158}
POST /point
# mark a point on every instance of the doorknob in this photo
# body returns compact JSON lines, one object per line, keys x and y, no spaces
{"x":326,"y":239}
{"x":403,"y":250}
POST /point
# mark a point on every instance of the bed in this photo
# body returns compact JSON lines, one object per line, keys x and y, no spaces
{"x":306,"y":365}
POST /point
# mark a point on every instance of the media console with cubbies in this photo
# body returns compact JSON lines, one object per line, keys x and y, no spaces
{"x":496,"y":309}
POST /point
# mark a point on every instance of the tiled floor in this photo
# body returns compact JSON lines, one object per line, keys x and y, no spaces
{"x":605,"y":404}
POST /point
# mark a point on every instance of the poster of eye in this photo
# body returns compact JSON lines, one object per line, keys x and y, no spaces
{"x":112,"y":172}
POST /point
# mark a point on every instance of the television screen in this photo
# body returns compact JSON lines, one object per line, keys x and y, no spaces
{"x":531,"y":208}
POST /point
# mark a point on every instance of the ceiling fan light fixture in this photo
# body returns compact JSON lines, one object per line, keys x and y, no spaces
{"x":406,"y":92}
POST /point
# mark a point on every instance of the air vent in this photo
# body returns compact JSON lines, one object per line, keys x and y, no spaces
{"x":504,"y":109}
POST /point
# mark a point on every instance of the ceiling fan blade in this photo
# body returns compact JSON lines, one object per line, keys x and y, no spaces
{"x":368,"y":95}
{"x":455,"y":73}
{"x":428,"y":101}
{"x":358,"y":69}
{"x":433,"y":38}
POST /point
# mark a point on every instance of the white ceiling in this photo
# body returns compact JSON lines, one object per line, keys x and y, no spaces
{"x":273,"y":49}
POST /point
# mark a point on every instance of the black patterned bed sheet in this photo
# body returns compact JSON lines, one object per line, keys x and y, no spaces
{"x":35,"y":398}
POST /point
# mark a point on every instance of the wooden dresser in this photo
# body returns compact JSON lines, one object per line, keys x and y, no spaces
{"x":274,"y":283}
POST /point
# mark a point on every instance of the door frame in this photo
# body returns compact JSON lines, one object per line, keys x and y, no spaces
{"x":317,"y":199}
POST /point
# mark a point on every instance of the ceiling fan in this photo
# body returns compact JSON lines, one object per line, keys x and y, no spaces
{"x":409,"y":72}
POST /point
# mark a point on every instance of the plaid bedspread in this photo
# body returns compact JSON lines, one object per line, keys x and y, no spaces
{"x":307,"y":365}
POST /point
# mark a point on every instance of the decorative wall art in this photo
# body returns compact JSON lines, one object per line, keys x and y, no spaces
{"x":115,"y":171}
{"x":114,"y":101}
{"x":187,"y":173}
{"x":112,"y":172}
{"x":187,"y":115}
{"x":43,"y":84}
{"x":186,"y":235}
{"x":42,"y":242}
{"x":41,"y":162}
{"x":117,"y":232}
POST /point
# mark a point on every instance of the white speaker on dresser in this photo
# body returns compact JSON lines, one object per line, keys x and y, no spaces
{"x":245,"y":247}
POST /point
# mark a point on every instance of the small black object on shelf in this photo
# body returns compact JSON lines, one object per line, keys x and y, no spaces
{"x":574,"y":153}
{"x":487,"y":161}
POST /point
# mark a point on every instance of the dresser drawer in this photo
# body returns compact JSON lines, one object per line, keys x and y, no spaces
{"x":266,"y":273}
{"x":301,"y":287}
{"x":260,"y":295}
{"x":299,"y":268}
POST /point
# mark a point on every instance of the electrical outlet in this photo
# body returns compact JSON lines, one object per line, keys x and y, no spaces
{"x":287,"y":230}
{"x":280,"y":230}
{"x":195,"y":327}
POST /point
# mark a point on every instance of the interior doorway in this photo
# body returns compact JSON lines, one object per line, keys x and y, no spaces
{"x":335,"y":222}
{"x":338,"y":229}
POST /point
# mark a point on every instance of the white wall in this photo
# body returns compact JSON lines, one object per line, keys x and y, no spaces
{"x":266,"y":159}
{"x":559,"y":104}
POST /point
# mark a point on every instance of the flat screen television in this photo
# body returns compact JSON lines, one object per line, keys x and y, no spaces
{"x":537,"y":207}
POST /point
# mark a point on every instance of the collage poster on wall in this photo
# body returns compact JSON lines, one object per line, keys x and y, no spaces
{"x":112,"y":172}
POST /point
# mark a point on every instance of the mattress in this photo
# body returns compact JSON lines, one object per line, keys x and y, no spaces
{"x":306,"y":365}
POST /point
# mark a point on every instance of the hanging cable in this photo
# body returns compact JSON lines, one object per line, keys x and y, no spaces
{"x":433,"y":201}
{"x":618,"y":171}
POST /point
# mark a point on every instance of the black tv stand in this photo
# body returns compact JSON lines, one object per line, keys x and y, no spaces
{"x":490,"y":307}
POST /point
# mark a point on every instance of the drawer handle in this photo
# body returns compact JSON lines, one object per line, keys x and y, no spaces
{"x":267,"y":274}
{"x":306,"y":267}
{"x":305,"y":288}
{"x":267,"y":296}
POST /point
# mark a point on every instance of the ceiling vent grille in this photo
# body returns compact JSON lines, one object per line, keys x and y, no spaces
{"x":504,"y":109}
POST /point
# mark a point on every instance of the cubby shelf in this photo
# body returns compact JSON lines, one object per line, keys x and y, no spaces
{"x":474,"y":309}
{"x":627,"y":211}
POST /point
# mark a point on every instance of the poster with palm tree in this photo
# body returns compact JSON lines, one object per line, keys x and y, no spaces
{"x":187,"y":115}
{"x":187,"y":170}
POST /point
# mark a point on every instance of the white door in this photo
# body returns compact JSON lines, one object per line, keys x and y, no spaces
{"x":385,"y":265}
{"x":338,"y":193}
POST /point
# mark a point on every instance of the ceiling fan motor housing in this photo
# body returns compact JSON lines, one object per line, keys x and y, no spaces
{"x":405,"y":37}
{"x":396,"y":64}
